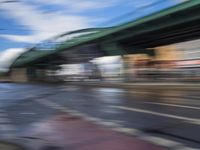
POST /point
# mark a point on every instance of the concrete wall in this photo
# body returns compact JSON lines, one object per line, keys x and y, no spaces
{"x":19,"y":75}
{"x":4,"y":79}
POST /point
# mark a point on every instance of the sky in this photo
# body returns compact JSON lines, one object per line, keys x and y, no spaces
{"x":24,"y":23}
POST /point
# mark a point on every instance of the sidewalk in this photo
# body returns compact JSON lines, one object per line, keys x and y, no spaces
{"x":142,"y":85}
{"x":63,"y":132}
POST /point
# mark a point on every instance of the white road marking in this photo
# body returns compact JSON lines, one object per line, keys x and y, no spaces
{"x":160,"y":141}
{"x":27,"y":113}
{"x":195,"y":121}
{"x":78,"y":114}
{"x":93,"y":119}
{"x":184,"y":148}
{"x":108,"y":123}
{"x":173,"y":105}
{"x":49,"y":104}
{"x":131,"y":131}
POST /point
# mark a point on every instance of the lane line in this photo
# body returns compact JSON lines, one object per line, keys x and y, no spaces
{"x":118,"y":127}
{"x":160,"y":141}
{"x":195,"y":121}
{"x":173,"y":105}
{"x":130,"y":131}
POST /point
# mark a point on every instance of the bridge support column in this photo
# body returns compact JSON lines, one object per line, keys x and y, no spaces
{"x":127,"y":69}
{"x":19,"y":75}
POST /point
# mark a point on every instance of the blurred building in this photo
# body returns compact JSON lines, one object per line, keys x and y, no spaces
{"x":190,"y":53}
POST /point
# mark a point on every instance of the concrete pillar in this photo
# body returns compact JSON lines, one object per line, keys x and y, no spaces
{"x":127,"y":68}
{"x":19,"y":75}
{"x":4,"y":78}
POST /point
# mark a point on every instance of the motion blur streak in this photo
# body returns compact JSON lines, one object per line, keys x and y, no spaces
{"x":113,"y":75}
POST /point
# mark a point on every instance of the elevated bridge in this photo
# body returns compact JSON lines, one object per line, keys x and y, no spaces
{"x":176,"y":24}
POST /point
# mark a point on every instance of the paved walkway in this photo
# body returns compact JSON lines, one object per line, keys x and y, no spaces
{"x":63,"y":132}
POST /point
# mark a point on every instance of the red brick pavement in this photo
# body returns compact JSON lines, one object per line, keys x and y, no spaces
{"x":73,"y":133}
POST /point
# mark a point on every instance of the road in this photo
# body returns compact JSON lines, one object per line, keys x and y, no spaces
{"x":171,"y":115}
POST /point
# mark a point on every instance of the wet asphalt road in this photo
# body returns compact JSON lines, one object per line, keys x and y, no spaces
{"x":172,"y":115}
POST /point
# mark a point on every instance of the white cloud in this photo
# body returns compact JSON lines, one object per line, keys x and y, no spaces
{"x":46,"y":25}
{"x":8,"y":56}
{"x":43,"y":25}
{"x":80,"y":5}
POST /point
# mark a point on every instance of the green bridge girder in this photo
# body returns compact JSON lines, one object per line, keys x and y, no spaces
{"x":175,"y":24}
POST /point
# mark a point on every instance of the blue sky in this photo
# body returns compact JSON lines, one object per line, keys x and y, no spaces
{"x":16,"y":31}
{"x":26,"y":22}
